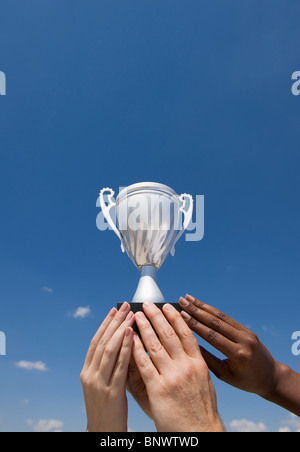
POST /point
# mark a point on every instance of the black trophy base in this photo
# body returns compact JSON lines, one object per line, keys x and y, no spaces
{"x":136,"y":307}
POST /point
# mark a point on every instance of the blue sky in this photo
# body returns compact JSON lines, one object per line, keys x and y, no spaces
{"x":195,"y":95}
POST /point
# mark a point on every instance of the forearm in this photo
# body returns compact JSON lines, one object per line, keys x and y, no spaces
{"x":287,"y":390}
{"x":187,"y":420}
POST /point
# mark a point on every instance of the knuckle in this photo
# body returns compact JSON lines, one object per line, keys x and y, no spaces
{"x":103,"y":342}
{"x":93,"y":344}
{"x":190,"y":371}
{"x":155,"y":347}
{"x":193,"y":323}
{"x":109,"y":351}
{"x":169,"y":333}
{"x":176,"y":382}
{"x":222,"y":316}
{"x":138,"y":346}
{"x":117,"y":320}
{"x":86,"y":379}
{"x":212,"y":336}
{"x":126,"y":345}
{"x":216,"y":323}
{"x":243,"y":355}
{"x":144,"y":361}
{"x":187,"y":333}
{"x":253,"y":341}
{"x":82,"y":377}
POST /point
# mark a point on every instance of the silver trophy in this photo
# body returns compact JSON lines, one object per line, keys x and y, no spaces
{"x":150,"y":219}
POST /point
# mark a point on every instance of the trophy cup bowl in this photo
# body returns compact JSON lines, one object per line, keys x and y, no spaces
{"x":148,"y":224}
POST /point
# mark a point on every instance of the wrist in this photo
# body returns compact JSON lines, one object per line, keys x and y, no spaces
{"x":281,"y":375}
{"x":107,"y":428}
{"x":206,"y":425}
{"x":215,"y":425}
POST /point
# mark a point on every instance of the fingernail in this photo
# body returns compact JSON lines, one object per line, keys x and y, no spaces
{"x":129,"y":316}
{"x":190,"y":298}
{"x":128,"y":331}
{"x":183,"y":302}
{"x":112,"y":312}
{"x":169,"y":307}
{"x":124,"y":306}
{"x":140,"y":315}
{"x":185,"y":315}
{"x":149,"y":305}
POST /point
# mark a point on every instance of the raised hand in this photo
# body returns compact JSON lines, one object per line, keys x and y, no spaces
{"x":181,"y":394}
{"x":105,"y":370}
{"x":249,"y":365}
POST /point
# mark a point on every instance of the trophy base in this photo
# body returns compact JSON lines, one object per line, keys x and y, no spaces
{"x":136,"y":307}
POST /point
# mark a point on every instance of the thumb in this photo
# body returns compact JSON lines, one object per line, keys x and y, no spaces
{"x":218,"y":367}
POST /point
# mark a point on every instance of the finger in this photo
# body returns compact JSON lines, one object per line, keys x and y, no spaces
{"x":111,"y":353}
{"x":120,"y":317}
{"x":121,"y":368}
{"x":97,"y":337}
{"x":166,"y":333}
{"x":216,"y":365}
{"x":219,"y":314}
{"x":220,"y":342}
{"x":185,"y":335}
{"x":144,"y":364}
{"x":158,"y":354}
{"x":214,"y":322}
{"x":134,"y":376}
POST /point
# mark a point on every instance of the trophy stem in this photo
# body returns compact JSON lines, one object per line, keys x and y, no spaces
{"x":148,"y":289}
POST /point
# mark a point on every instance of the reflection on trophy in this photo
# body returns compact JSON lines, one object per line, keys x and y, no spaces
{"x":150,"y":219}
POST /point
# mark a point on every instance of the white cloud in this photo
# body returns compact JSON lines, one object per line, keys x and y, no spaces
{"x":268,"y":330}
{"x":292,"y":424}
{"x":45,"y":425}
{"x":29,"y":365}
{"x":47,"y":289}
{"x":82,"y":312}
{"x":244,"y":425}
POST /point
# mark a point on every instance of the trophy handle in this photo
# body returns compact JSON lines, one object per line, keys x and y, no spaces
{"x":187,"y":217}
{"x":106,"y":208}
